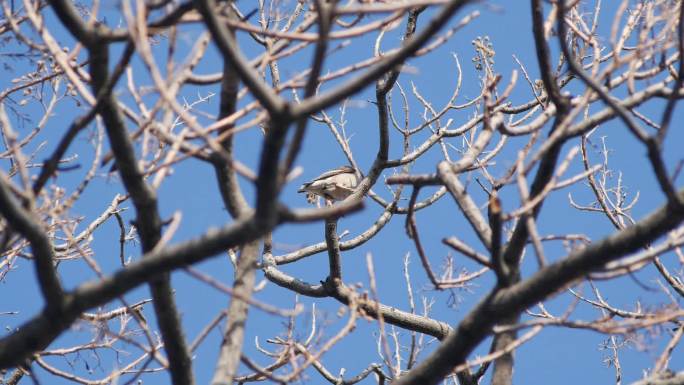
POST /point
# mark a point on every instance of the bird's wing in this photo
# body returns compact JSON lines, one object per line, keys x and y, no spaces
{"x":337,"y":171}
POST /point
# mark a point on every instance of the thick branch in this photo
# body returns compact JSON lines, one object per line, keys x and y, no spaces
{"x":509,"y":301}
{"x":148,"y":221}
{"x":30,"y":228}
{"x":544,"y":58}
{"x":37,"y":333}
{"x":233,"y":337}
{"x":231,"y":54}
{"x":391,"y":315}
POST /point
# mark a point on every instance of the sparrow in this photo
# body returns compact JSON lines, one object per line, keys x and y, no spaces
{"x":333,"y":185}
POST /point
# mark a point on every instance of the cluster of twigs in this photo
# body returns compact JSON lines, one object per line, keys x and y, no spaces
{"x":139,"y":134}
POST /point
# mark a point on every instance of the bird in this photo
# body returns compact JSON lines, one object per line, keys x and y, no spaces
{"x":332,"y":185}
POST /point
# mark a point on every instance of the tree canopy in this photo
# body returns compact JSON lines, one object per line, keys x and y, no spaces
{"x":510,"y":184}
